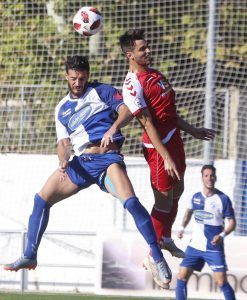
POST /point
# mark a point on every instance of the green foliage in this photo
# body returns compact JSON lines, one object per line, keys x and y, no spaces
{"x":35,"y":42}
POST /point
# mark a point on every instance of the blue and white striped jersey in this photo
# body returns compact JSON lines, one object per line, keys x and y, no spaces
{"x":86,"y":119}
{"x":209,"y":214}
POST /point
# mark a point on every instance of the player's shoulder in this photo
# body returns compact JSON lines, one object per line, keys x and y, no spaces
{"x":130,"y":77}
{"x":101,"y":87}
{"x":131,"y":84}
{"x":106,"y":91}
{"x":222,"y":195}
{"x":197,"y":195}
{"x":62,"y":102}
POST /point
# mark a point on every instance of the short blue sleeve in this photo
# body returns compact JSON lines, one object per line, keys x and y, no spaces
{"x":110,"y":95}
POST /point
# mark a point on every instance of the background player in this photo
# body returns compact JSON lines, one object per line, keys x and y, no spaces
{"x":209,"y":207}
{"x":150,"y":98}
{"x":82,"y":118}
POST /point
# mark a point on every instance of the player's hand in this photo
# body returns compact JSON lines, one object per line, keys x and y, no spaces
{"x":171,"y":168}
{"x":107,"y":137}
{"x":204,"y":134}
{"x":63,"y":165}
{"x":217,"y":239}
{"x":180,"y":233}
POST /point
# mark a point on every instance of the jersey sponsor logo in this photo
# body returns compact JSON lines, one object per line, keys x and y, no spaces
{"x":201,"y":215}
{"x":76,"y":120}
{"x":215,"y":267}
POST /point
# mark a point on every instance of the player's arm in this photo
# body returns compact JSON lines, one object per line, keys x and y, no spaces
{"x":185,"y":222}
{"x":145,"y":120}
{"x":63,"y":153}
{"x":227,"y":230}
{"x":198,"y":133}
{"x":63,"y":144}
{"x":124,"y":117}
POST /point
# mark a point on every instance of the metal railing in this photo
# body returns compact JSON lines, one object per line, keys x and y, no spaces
{"x":24,"y":281}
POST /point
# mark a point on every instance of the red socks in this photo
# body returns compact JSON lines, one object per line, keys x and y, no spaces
{"x":163,"y":221}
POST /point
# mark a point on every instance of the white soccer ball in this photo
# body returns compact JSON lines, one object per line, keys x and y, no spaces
{"x":87,"y":21}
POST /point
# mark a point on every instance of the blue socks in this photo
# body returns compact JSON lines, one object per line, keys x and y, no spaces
{"x":228,"y":291}
{"x":181,"y":290}
{"x":37,"y":224}
{"x":144,"y":224}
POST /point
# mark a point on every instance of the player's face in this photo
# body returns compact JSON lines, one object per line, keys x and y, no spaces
{"x":77,"y":82}
{"x":141,"y":53}
{"x":208,"y":179}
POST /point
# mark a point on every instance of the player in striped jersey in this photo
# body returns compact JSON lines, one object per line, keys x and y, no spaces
{"x":83,"y":117}
{"x":209,"y":209}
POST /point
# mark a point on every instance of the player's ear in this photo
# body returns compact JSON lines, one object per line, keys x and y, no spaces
{"x":66,"y":76}
{"x":129,"y":55}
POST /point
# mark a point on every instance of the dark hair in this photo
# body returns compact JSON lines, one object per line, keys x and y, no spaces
{"x":77,"y":62}
{"x":127,"y":40}
{"x":210,"y":167}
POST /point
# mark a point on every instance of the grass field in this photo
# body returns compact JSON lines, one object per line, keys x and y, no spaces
{"x":35,"y":296}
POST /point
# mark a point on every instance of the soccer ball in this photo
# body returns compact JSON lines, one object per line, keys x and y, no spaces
{"x":87,"y":21}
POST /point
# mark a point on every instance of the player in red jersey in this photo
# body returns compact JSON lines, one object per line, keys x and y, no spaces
{"x":151,"y":99}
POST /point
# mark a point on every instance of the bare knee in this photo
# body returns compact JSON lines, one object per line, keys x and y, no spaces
{"x":184,"y":273}
{"x":220,"y":278}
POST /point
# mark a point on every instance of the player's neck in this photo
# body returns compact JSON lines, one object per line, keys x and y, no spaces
{"x":208,"y":192}
{"x":136,"y":68}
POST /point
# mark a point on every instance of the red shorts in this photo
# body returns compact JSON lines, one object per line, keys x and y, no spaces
{"x":159,"y":176}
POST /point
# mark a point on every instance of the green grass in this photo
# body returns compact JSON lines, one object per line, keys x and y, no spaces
{"x":37,"y":296}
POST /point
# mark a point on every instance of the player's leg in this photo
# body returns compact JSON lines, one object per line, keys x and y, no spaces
{"x":162,"y":190}
{"x":163,"y":202}
{"x":221,"y":280}
{"x":52,"y":192}
{"x":182,"y":279}
{"x":166,"y":190}
{"x":216,"y":260}
{"x":163,"y":216}
{"x":117,"y":182}
{"x":193,"y":261}
{"x":167,"y":242}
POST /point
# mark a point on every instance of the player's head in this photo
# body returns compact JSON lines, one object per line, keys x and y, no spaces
{"x":135,"y":47}
{"x":208,"y":176}
{"x":77,"y":73}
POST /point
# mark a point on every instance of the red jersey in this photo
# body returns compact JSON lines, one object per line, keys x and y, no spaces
{"x":150,"y":89}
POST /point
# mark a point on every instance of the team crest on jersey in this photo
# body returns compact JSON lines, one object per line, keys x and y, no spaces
{"x":166,"y":87}
{"x":76,"y":120}
{"x":137,"y":102}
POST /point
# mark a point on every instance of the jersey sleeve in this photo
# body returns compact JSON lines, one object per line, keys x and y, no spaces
{"x":189,"y":204}
{"x":61,"y":130}
{"x":133,"y":95}
{"x":228,"y":211}
{"x":110,"y":95}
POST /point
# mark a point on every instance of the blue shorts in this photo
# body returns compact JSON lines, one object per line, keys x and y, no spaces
{"x":196,"y":259}
{"x":87,"y":169}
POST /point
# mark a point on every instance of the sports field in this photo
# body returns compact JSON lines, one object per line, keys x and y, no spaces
{"x":35,"y":296}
